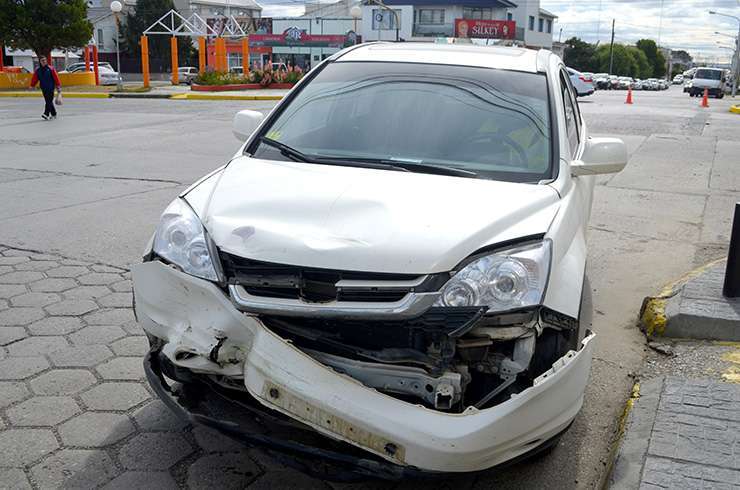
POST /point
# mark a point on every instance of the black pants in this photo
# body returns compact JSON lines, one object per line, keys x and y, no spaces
{"x":49,"y":99}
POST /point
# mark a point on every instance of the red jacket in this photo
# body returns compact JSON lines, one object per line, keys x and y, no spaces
{"x":48,"y":78}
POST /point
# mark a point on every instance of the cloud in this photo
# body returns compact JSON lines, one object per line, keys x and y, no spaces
{"x":679,"y":24}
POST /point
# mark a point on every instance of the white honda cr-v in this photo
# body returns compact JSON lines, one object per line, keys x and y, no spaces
{"x":388,"y":278}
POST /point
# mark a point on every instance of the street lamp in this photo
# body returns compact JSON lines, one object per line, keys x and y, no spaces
{"x":736,"y":54}
{"x":356,"y":13}
{"x":116,"y":7}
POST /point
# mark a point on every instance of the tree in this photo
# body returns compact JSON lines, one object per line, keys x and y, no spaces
{"x":579,"y":55}
{"x":642,"y":67}
{"x":654,"y":56}
{"x":43,"y":25}
{"x":681,"y":56}
{"x":624,"y":64}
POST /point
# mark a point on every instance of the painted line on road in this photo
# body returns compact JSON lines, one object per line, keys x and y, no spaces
{"x":93,"y":95}
{"x":67,"y":95}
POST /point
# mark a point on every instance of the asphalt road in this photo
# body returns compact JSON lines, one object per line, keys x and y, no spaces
{"x":91,"y":185}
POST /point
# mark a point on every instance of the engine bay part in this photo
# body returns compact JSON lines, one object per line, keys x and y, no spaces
{"x":428,"y":360}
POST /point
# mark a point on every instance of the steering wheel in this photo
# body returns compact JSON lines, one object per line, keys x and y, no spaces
{"x":492,"y":138}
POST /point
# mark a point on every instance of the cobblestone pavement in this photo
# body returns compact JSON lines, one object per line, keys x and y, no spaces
{"x":681,"y":433}
{"x":75,"y":409}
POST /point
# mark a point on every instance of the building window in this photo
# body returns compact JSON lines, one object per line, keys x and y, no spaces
{"x":384,"y":20}
{"x":430,"y":16}
{"x":541,"y":24}
{"x":531,"y":22}
{"x":549,"y":26}
{"x":101,"y":39}
{"x":509,"y":16}
{"x":478,"y":14}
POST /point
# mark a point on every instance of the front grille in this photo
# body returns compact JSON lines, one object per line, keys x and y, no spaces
{"x":284,"y":281}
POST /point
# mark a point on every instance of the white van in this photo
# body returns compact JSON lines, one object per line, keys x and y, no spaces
{"x":712,"y":79}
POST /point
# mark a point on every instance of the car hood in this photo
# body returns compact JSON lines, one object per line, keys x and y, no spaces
{"x":360,"y":219}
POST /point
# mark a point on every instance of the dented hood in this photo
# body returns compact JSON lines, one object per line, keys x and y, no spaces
{"x":364,"y":219}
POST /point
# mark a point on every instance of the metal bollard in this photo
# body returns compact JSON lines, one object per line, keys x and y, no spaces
{"x":731,"y":288}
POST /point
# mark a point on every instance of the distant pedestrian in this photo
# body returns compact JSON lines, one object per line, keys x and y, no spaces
{"x":47,"y":78}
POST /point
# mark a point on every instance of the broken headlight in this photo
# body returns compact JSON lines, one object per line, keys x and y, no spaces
{"x":503,"y":280}
{"x":181,"y":239}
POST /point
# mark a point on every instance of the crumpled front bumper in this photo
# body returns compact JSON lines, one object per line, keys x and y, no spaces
{"x":204,"y":333}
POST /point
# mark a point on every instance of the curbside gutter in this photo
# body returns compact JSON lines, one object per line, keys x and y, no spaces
{"x":135,"y":95}
{"x":653,"y":317}
{"x":619,"y":435}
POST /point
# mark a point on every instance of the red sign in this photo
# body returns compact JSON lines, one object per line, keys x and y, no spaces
{"x":485,"y":29}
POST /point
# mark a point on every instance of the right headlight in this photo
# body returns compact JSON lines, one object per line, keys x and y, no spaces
{"x":503,"y":280}
{"x":181,"y":239}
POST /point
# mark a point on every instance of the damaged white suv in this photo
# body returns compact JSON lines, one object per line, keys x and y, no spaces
{"x":388,"y":279}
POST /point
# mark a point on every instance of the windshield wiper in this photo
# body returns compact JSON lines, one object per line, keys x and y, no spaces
{"x":286,"y":150}
{"x":299,"y":156}
{"x":412,"y":166}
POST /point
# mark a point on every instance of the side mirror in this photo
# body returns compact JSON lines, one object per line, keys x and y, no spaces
{"x":601,"y":156}
{"x":245,"y":122}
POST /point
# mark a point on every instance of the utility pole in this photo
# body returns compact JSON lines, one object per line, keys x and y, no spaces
{"x":611,"y":50}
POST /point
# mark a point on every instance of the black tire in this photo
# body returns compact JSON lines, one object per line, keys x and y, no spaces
{"x":720,"y":95}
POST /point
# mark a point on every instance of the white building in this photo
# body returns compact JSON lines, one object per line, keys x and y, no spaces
{"x":425,"y":20}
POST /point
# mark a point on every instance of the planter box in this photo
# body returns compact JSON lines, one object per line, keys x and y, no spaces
{"x":239,"y":86}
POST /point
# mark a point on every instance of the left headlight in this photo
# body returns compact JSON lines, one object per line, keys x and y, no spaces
{"x":503,"y":280}
{"x":181,"y":239}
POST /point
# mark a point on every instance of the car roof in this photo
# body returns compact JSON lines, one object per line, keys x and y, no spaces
{"x":505,"y":58}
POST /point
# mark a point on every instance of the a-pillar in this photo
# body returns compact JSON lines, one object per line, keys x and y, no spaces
{"x":201,"y":55}
{"x":95,"y":64}
{"x":145,"y":60}
{"x":173,"y":49}
{"x":245,"y":56}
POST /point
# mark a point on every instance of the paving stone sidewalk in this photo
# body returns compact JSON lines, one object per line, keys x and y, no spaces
{"x":681,"y":433}
{"x":75,"y":410}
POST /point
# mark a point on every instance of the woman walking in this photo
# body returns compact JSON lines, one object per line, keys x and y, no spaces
{"x":47,"y":78}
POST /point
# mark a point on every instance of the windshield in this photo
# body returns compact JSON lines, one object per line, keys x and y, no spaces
{"x":487,"y":123}
{"x":708,"y":74}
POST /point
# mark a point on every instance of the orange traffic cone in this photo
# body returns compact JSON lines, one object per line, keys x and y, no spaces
{"x":705,"y":99}
{"x":629,"y":96}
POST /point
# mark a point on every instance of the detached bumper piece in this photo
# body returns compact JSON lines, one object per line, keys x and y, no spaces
{"x":237,"y":415}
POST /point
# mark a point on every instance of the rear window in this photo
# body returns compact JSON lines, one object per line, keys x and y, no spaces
{"x":708,"y":74}
{"x":495,"y":123}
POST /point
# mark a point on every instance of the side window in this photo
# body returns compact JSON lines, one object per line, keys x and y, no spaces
{"x":571,"y":113}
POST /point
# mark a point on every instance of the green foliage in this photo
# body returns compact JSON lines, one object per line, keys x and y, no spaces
{"x":580,"y":55}
{"x":628,"y":61}
{"x":43,"y":25}
{"x":641,"y":68}
{"x":263,"y":77}
{"x":654,"y":56}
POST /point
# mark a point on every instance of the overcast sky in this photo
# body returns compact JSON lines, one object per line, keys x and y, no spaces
{"x":686,"y":24}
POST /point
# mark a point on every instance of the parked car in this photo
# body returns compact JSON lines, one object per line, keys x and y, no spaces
{"x":583,"y":85}
{"x":712,"y":79}
{"x":186,"y":74}
{"x":601,"y":81}
{"x":687,"y":86}
{"x":392,"y":293}
{"x":678,"y":79}
{"x":80,"y":66}
{"x":623,"y":83}
{"x":613,"y":82}
{"x":106,"y":74}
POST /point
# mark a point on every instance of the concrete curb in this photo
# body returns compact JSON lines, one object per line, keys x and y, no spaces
{"x":135,"y":95}
{"x":621,"y":427}
{"x":653,"y":317}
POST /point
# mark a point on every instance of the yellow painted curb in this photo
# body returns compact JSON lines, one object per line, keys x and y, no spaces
{"x":229,"y":97}
{"x":621,"y":426}
{"x":66,"y":95}
{"x":652,"y":313}
{"x":735,"y":109}
{"x":179,"y":96}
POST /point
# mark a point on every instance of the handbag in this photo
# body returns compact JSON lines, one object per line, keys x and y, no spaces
{"x":58,"y":100}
